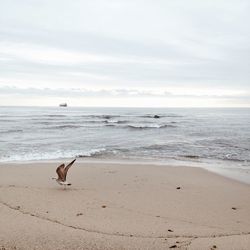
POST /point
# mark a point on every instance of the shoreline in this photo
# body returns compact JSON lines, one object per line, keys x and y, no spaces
{"x":122,"y":206}
{"x":214,"y":166}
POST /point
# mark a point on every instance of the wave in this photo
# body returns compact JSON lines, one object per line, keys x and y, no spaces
{"x":44,"y":123}
{"x":229,"y":145}
{"x":154,"y":151}
{"x":63,"y":126}
{"x":152,"y":126}
{"x":34,"y":156}
{"x":116,"y":121}
{"x":151,"y":116}
{"x":233,"y":157}
{"x":53,"y":115}
{"x":154,"y":147}
{"x":110,"y":125}
{"x":159,"y":116}
{"x":83,"y":122}
{"x":56,"y":155}
{"x":46,"y":119}
{"x":225,"y":144}
{"x":68,"y":122}
{"x":228,"y":157}
{"x":155,"y":116}
{"x":11,"y":131}
{"x":172,"y":115}
{"x":190,"y":156}
{"x":92,"y":153}
{"x":138,"y":126}
{"x":100,"y":116}
{"x":5,"y":120}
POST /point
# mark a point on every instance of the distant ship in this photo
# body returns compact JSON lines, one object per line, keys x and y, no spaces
{"x":63,"y":105}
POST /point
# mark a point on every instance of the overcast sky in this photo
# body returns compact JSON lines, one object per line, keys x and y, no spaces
{"x":125,"y":52}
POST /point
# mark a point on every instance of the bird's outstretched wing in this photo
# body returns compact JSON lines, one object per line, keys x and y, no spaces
{"x":67,"y":168}
{"x":60,"y":172}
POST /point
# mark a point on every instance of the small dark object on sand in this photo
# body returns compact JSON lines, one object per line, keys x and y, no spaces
{"x":170,"y":230}
{"x":131,"y":235}
{"x":234,"y":208}
{"x":79,"y":214}
{"x":214,"y":246}
{"x":178,"y":188}
{"x":104,"y":206}
{"x":173,"y":246}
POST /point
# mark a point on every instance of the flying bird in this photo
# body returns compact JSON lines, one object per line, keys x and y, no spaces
{"x":62,"y":174}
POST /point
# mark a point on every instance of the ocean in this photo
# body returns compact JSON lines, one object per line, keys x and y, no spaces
{"x":215,"y":138}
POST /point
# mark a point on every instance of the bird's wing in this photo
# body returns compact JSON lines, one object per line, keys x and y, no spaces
{"x":60,"y":172}
{"x":67,"y":168}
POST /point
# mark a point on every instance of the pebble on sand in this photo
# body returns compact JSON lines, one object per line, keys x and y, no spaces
{"x":173,"y":246}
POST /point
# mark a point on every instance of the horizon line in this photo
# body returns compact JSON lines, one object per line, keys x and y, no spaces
{"x":57,"y":106}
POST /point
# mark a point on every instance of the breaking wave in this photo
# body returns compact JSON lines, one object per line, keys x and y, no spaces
{"x":92,"y":153}
{"x":116,"y":121}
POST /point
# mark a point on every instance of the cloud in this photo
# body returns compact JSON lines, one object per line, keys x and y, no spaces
{"x":73,"y":92}
{"x":200,"y":48}
{"x":42,"y":65}
{"x":13,"y":96}
{"x":46,"y":92}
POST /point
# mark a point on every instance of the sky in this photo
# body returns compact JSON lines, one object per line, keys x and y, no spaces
{"x":125,"y":53}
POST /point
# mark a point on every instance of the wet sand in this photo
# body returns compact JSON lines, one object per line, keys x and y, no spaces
{"x":122,"y":206}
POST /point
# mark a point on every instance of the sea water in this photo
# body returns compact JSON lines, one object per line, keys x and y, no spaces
{"x":215,"y":138}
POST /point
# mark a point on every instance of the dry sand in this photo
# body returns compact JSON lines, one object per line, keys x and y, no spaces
{"x":122,"y":206}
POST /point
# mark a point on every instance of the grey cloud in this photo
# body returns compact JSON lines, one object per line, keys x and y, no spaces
{"x":170,"y":43}
{"x":110,"y":93}
{"x":95,"y":43}
{"x":74,"y":92}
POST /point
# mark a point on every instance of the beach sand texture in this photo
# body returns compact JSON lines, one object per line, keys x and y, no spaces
{"x":121,"y":206}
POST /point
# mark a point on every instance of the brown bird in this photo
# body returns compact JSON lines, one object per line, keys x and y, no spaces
{"x":62,"y":174}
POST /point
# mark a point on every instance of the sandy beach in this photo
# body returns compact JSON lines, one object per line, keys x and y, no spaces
{"x":121,"y":206}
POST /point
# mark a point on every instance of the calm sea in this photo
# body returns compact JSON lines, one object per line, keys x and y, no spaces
{"x":218,"y":139}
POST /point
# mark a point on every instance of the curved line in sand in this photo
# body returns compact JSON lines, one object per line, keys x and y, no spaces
{"x":132,"y":210}
{"x":192,"y":237}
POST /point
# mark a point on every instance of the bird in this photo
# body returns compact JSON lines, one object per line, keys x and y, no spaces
{"x":62,"y":174}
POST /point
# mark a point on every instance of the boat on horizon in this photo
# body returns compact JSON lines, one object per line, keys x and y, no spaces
{"x":63,"y":104}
